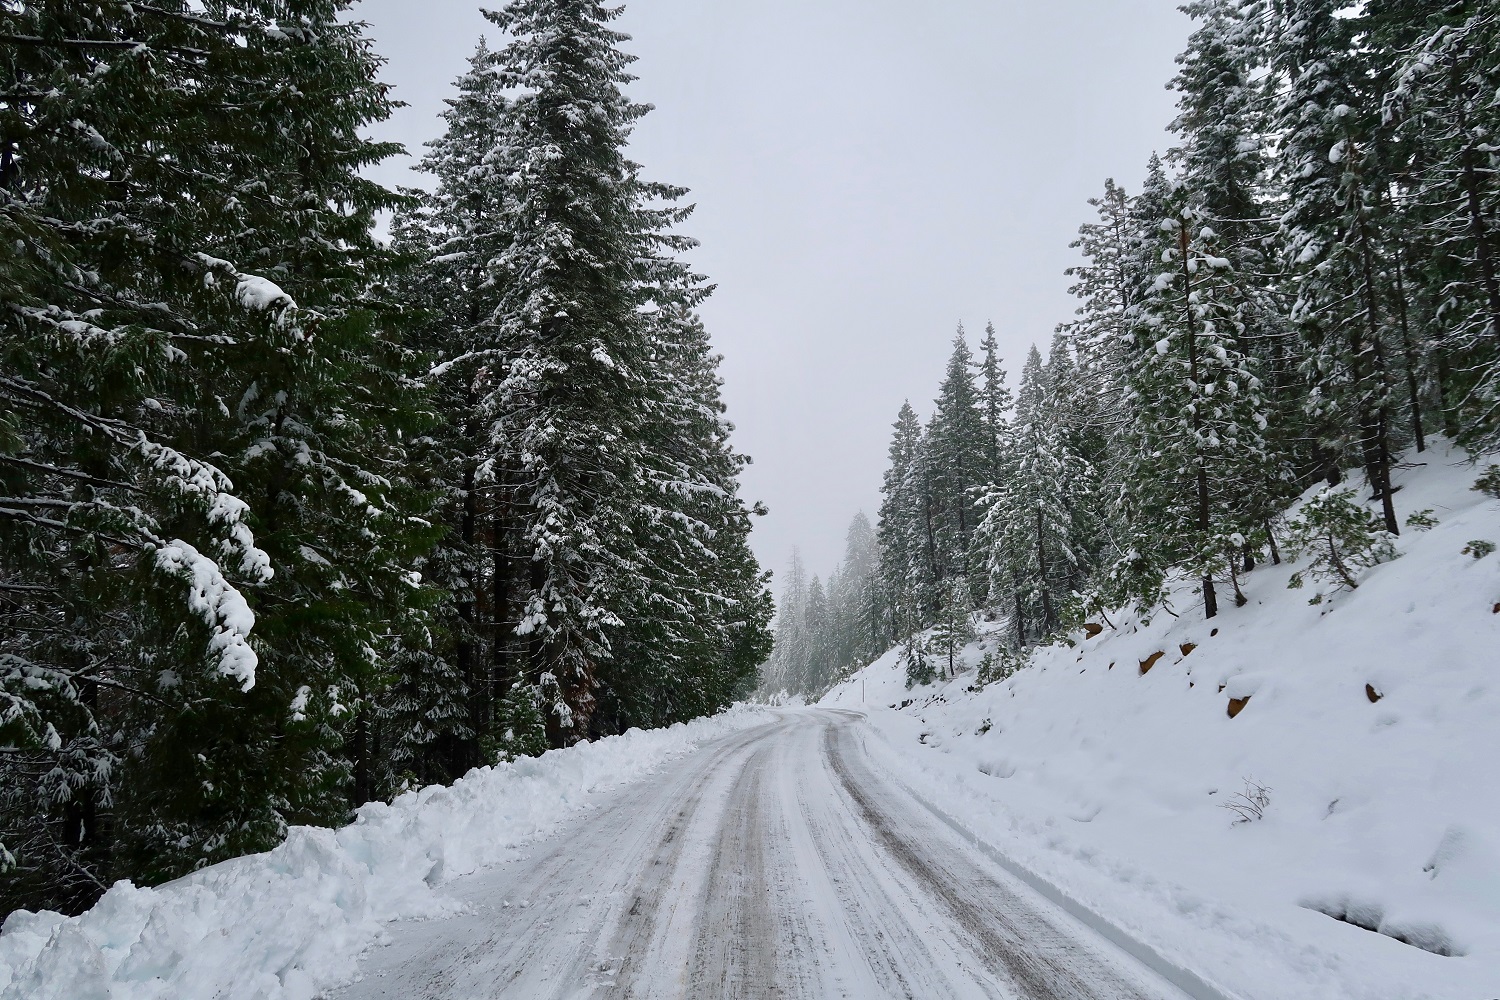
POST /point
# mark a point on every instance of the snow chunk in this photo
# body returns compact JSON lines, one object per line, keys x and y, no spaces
{"x":289,"y":923}
{"x":220,"y":606}
{"x":261,"y":294}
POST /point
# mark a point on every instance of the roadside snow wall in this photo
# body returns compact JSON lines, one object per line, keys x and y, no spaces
{"x":1372,"y":719}
{"x":282,"y":925}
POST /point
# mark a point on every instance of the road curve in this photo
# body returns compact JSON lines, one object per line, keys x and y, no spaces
{"x":774,"y":863}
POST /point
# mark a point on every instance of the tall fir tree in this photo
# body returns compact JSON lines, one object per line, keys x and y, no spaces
{"x":1333,"y":233}
{"x":1198,"y":418}
{"x":959,"y":456}
{"x":902,"y":530}
{"x":148,"y":332}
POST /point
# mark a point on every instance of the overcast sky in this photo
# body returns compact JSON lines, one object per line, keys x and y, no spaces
{"x":868,"y":173}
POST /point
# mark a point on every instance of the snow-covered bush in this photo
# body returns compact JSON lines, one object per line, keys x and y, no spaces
{"x":955,"y":625}
{"x":1421,"y":520}
{"x":997,"y":666}
{"x":1341,"y":538}
{"x":1489,"y":483}
{"x":1479,"y":548}
{"x":919,"y":667}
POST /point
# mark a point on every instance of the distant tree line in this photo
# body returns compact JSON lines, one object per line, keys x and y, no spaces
{"x":291,"y":517}
{"x":1309,"y":281}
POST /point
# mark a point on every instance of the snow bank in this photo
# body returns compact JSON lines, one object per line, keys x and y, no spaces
{"x":1373,"y":719}
{"x":284,"y":924}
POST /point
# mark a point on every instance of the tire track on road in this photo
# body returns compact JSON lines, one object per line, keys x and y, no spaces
{"x":1008,"y":928}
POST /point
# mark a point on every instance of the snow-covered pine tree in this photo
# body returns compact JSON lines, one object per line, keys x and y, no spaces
{"x":1444,"y":72}
{"x":959,"y":455}
{"x":955,"y":625}
{"x":696,"y":621}
{"x":817,"y":668}
{"x":1108,"y":284}
{"x":1219,"y":126}
{"x":787,"y":663}
{"x":902,"y":531}
{"x":1334,"y":231}
{"x":1030,"y":523}
{"x":995,"y":404}
{"x":135,"y":329}
{"x":857,"y":598}
{"x":1220,"y":158}
{"x":563,"y":411}
{"x":1197,"y":430}
{"x":468,"y":697}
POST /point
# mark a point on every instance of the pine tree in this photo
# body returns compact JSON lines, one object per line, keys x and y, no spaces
{"x":697,"y":619}
{"x":960,"y":456}
{"x":1333,"y":230}
{"x":147,"y":330}
{"x":787,"y":664}
{"x":1444,"y":74}
{"x":857,"y":599}
{"x":448,"y":709}
{"x":1108,"y":284}
{"x":1031,"y":523}
{"x":955,"y":625}
{"x":817,"y":666}
{"x":1198,"y":421}
{"x":904,"y":541}
{"x":1220,"y":125}
{"x":995,"y":403}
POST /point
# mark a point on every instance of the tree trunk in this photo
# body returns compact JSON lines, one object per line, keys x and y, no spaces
{"x":1374,"y":433}
{"x":1205,"y":521}
{"x":1049,"y":616}
{"x":1412,"y":391}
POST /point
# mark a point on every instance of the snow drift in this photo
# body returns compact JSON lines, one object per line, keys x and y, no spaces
{"x":284,"y":924}
{"x":1370,"y":866}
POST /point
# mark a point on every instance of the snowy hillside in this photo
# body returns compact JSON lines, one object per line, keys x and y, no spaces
{"x":1370,"y":719}
{"x":285,"y":924}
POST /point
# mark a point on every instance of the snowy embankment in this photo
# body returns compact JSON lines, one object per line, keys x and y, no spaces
{"x":1372,"y":720}
{"x":282,"y":925}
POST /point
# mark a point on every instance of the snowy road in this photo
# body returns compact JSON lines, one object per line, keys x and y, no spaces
{"x":775,"y":863}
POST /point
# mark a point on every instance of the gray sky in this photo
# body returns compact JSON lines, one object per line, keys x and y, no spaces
{"x":867,"y":173}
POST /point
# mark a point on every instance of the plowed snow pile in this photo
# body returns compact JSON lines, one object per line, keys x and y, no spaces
{"x":1372,"y":722}
{"x":281,"y":925}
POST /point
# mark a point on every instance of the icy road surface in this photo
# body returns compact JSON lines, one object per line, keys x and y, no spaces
{"x":774,"y":863}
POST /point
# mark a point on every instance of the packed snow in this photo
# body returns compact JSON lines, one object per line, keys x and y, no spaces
{"x":1338,"y":837}
{"x":288,"y":923}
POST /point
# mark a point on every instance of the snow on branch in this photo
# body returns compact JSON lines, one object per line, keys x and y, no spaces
{"x":221,"y":607}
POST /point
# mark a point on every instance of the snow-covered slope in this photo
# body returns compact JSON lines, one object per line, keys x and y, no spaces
{"x":1373,"y":721}
{"x":282,"y":925}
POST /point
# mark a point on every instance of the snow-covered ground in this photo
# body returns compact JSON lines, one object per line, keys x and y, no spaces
{"x":1373,"y":721}
{"x":284,"y":924}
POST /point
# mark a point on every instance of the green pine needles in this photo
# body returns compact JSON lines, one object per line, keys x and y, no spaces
{"x":292,"y":519}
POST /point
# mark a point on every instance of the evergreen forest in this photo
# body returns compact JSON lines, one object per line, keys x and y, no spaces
{"x":294,"y":516}
{"x":1306,"y":283}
